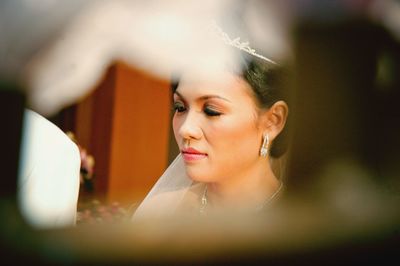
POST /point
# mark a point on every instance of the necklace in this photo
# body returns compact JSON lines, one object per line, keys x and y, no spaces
{"x":204,"y":201}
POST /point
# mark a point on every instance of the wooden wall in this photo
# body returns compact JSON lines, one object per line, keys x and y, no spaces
{"x":139,"y":143}
{"x":125,"y":124}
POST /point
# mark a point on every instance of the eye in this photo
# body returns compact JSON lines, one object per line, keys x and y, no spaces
{"x":209,"y":111}
{"x":179,"y":107}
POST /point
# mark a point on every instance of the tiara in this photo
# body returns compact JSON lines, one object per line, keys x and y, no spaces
{"x":244,"y":46}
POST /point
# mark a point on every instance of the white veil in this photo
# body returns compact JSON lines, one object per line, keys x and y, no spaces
{"x":166,"y":195}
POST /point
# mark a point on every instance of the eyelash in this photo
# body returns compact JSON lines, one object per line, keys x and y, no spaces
{"x":180,"y":108}
{"x":210,"y":112}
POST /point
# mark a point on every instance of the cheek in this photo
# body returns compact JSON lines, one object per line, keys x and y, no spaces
{"x":234,"y":146}
{"x":234,"y":136}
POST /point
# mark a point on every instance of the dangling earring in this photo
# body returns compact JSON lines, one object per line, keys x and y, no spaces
{"x":264,"y":146}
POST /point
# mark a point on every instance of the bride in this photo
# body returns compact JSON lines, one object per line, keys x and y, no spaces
{"x":228,"y":126}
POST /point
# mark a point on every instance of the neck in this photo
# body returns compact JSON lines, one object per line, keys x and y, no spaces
{"x":248,"y":188}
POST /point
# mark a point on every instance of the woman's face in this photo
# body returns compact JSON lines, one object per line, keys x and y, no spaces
{"x":216,"y":127}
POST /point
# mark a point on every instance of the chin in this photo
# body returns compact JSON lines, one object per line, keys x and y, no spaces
{"x":197,"y":175}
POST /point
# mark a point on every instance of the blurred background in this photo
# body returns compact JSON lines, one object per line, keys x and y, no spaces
{"x":101,"y":72}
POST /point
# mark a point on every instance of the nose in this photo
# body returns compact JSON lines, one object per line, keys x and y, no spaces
{"x":190,"y":127}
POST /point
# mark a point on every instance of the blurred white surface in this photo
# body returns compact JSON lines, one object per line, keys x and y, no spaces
{"x":48,"y":184}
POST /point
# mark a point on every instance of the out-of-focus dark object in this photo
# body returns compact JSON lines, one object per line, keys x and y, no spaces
{"x":12,"y":103}
{"x":346,"y":127}
{"x":346,"y":100}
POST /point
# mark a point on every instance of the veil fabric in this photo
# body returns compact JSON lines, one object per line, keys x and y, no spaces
{"x":167,"y":194}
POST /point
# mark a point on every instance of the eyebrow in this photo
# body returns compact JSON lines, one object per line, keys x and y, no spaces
{"x":205,"y":97}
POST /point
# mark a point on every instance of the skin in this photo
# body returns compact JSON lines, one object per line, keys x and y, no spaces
{"x":219,"y":117}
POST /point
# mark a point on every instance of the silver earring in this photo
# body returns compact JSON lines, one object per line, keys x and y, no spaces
{"x":264,"y":146}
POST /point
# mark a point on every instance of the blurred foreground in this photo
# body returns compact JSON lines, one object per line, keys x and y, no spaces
{"x":342,"y":184}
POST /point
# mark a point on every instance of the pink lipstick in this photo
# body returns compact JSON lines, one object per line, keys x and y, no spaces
{"x":190,"y":155}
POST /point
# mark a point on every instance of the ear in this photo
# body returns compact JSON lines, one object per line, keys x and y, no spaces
{"x":274,"y":119}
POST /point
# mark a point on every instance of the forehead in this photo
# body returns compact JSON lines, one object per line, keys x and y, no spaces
{"x":224,"y":84}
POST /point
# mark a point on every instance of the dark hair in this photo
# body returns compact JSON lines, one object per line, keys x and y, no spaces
{"x":269,"y":84}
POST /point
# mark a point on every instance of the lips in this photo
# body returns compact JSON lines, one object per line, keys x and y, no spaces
{"x":191,"y":155}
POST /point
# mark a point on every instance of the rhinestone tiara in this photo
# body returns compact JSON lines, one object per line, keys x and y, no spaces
{"x":244,"y":46}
